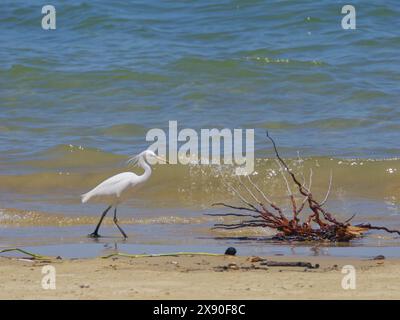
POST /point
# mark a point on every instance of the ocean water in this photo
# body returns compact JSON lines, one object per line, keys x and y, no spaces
{"x":75,"y":102}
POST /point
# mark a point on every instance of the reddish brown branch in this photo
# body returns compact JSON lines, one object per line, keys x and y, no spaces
{"x":370,"y":227}
{"x":231,"y":215}
{"x":328,"y":227}
{"x":234,"y":207}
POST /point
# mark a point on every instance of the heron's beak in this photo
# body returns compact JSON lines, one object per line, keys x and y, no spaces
{"x":162,"y":159}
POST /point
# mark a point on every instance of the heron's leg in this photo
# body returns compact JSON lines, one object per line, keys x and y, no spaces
{"x":116,"y":223}
{"x":95,"y":233}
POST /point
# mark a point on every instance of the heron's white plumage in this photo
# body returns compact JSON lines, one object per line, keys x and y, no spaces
{"x":116,"y":188}
{"x":113,"y":187}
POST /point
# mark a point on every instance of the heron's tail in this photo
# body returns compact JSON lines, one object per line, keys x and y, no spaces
{"x":85,"y":197}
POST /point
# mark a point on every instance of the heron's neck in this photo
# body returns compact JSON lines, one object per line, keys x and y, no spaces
{"x":147,"y":169}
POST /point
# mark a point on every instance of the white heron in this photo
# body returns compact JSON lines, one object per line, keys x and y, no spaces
{"x":117,"y":188}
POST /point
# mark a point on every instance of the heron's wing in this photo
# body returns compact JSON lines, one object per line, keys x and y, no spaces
{"x":112,"y":186}
{"x":117,"y":179}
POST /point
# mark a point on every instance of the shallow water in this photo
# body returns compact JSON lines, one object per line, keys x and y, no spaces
{"x":77,"y":101}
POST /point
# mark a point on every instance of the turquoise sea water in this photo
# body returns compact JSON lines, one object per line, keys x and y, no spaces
{"x":114,"y":69}
{"x":75,"y":101}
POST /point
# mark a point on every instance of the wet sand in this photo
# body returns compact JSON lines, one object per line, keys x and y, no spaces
{"x":198,"y":277}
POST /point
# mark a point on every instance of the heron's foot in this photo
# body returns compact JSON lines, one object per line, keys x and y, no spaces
{"x":124,"y":236}
{"x":94,"y":235}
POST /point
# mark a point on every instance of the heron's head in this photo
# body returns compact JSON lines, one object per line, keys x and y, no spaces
{"x":147,"y":155}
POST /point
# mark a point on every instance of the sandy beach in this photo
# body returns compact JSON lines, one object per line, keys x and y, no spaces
{"x":198,"y":277}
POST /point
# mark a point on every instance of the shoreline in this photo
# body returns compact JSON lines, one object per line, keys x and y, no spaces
{"x":198,"y":277}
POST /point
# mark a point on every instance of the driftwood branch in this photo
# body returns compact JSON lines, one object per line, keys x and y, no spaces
{"x":368,"y":226}
{"x":318,"y":225}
